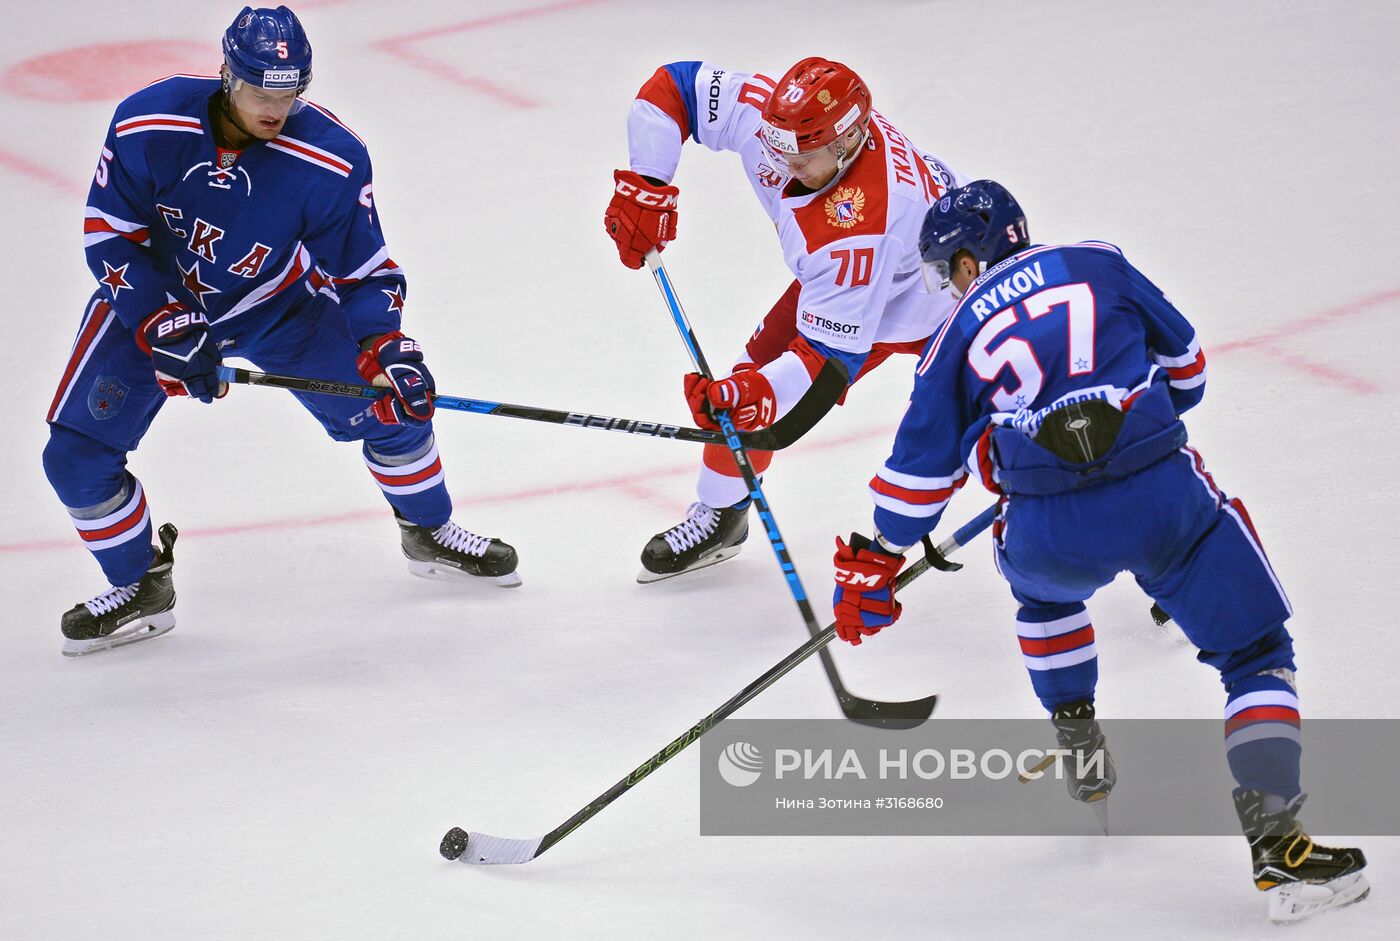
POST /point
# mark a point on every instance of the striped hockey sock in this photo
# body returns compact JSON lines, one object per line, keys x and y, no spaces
{"x":1057,"y":644}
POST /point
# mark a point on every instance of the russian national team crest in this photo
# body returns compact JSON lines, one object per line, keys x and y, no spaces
{"x":843,"y":207}
{"x":106,"y":397}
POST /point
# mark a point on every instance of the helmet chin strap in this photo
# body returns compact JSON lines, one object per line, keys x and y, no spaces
{"x":232,"y":118}
{"x":845,"y":155}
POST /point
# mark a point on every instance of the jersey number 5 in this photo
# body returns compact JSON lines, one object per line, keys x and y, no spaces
{"x":1077,"y":300}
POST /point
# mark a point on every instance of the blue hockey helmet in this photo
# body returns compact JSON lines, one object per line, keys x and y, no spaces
{"x":268,"y":49}
{"x":981,"y":218}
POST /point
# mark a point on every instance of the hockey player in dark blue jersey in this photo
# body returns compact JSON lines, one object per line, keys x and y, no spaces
{"x":1059,"y":380}
{"x":231,"y":216}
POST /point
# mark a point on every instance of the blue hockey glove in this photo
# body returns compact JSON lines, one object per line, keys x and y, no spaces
{"x":396,"y":361}
{"x":864,"y":600}
{"x":185,"y":357}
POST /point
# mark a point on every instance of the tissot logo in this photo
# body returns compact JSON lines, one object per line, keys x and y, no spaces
{"x":818,"y":322}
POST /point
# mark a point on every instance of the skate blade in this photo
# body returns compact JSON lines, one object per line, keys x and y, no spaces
{"x":646,"y":576}
{"x":133,"y":633}
{"x":441,"y":572}
{"x":1291,"y":903}
{"x":1100,"y":809}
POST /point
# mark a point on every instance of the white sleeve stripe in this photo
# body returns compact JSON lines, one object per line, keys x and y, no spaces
{"x":914,"y":482}
{"x":1040,"y":630}
{"x":374,"y":262}
{"x":1193,"y":350}
{"x":913,"y":510}
{"x":121,"y":225}
{"x":1196,"y":380}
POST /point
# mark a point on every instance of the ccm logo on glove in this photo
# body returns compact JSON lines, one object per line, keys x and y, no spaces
{"x":656,"y":199}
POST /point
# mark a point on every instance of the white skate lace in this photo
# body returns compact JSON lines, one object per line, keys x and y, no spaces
{"x":454,"y":537}
{"x":700,"y":521}
{"x":112,"y":599}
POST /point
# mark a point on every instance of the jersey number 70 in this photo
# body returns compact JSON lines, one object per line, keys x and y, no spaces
{"x":1077,"y":300}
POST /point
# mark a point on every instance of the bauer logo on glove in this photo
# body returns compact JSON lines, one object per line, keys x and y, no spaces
{"x":396,"y":362}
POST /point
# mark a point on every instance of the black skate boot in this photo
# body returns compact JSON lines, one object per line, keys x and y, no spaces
{"x":1299,"y":877}
{"x":706,"y":536}
{"x":450,"y":551}
{"x":1089,"y":771}
{"x":129,"y":613}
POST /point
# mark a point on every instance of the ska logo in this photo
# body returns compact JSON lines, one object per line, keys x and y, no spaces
{"x":106,"y":397}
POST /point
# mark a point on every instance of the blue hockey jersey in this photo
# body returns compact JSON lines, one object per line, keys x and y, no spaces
{"x":242,"y":235}
{"x":1045,"y":328}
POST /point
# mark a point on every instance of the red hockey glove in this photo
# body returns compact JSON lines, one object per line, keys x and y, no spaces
{"x":396,"y":361}
{"x":185,"y":357}
{"x":864,"y":599}
{"x":640,"y":217}
{"x":747,"y":395}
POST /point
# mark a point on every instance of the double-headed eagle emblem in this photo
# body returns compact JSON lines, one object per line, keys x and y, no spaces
{"x":844,"y":206}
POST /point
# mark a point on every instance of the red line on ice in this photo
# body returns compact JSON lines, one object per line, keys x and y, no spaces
{"x":36,"y":171}
{"x":637,"y":485}
{"x":398,"y":46}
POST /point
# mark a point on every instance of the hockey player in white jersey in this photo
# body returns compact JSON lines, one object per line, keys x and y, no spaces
{"x":846,"y":191}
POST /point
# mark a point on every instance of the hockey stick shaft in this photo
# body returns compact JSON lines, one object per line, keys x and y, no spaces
{"x":481,"y":849}
{"x":774,"y":438}
{"x":874,"y":712}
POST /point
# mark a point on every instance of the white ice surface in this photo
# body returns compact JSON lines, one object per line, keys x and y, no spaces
{"x":284,"y":762}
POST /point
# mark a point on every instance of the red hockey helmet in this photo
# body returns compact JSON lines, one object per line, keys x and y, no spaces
{"x":816,"y":101}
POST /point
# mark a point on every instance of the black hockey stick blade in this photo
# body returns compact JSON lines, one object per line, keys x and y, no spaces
{"x":888,"y":715}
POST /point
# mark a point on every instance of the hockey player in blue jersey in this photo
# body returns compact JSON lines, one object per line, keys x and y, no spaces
{"x":1059,"y":380}
{"x":231,"y":216}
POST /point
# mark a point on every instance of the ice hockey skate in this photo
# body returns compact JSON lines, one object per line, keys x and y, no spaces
{"x":451,"y":552}
{"x":1300,"y":877}
{"x":706,"y":536}
{"x":1089,"y":771}
{"x":126,"y":614}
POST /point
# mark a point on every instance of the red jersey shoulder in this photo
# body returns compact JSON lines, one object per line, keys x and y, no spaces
{"x":856,"y":204}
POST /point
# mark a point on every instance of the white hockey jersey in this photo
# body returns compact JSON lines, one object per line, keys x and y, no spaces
{"x":853,"y":246}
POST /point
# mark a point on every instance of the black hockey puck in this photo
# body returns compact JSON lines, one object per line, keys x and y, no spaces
{"x":454,"y":843}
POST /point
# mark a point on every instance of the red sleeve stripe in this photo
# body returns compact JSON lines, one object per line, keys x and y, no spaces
{"x":1192,"y":369}
{"x":91,"y":226}
{"x":661,"y":90}
{"x":918,"y":497}
{"x":159,"y":122}
{"x":1262,"y":714}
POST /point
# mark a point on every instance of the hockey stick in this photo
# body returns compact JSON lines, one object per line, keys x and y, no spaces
{"x":807,"y":412}
{"x":482,"y":849}
{"x":896,"y":715}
